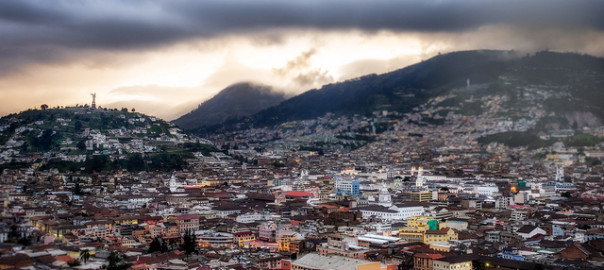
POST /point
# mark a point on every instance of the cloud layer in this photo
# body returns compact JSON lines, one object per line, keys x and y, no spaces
{"x":182,"y":51}
{"x":36,"y":30}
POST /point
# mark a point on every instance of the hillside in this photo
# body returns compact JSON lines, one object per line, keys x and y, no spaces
{"x":231,"y":104}
{"x":94,"y":139}
{"x":506,"y":73}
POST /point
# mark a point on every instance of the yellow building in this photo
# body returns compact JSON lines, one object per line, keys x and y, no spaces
{"x":285,"y":240}
{"x":442,"y":235}
{"x":421,"y":222}
{"x":441,"y":246}
{"x":54,"y":228}
{"x":411,"y":234}
{"x":421,"y":196}
{"x":128,"y":242}
{"x":424,"y":229}
{"x":240,"y":237}
{"x":462,"y":262}
{"x":125,"y":221}
{"x":76,"y":253}
{"x":208,"y":182}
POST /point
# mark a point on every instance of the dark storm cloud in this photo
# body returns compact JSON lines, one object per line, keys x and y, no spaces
{"x":417,"y":15}
{"x":44,"y":31}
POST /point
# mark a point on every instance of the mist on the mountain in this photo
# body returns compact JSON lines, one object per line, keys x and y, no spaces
{"x":234,"y":102}
{"x":404,"y":89}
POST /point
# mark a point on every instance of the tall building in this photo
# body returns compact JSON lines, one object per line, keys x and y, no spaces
{"x":347,"y":186}
{"x":422,"y":196}
{"x":559,"y":173}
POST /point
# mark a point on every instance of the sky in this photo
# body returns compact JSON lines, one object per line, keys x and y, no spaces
{"x":164,"y":58}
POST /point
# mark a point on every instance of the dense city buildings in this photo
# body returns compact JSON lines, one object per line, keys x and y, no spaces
{"x":465,"y":180}
{"x":398,"y":202}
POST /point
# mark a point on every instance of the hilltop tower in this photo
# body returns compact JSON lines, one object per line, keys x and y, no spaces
{"x":93,"y":105}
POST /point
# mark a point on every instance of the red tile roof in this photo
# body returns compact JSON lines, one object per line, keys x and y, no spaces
{"x":242,"y":233}
{"x":297,"y":194}
{"x":188,"y":217}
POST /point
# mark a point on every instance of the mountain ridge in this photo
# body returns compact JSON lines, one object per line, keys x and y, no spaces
{"x":232,"y":103}
{"x":403,"y":89}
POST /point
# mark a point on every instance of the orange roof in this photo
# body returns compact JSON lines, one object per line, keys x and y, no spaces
{"x":242,"y":233}
{"x":295,"y":222}
{"x":440,"y":231}
{"x":435,"y":256}
{"x":432,"y":256}
{"x":141,"y":266}
{"x":327,"y":206}
{"x":298,"y":194}
{"x":64,"y":258}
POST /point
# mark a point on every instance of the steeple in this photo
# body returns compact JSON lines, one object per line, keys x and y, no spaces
{"x":419,"y":180}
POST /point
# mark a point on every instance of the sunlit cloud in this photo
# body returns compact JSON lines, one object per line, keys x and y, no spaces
{"x":166,"y":57}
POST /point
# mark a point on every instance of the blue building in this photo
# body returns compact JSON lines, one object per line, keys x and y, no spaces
{"x":347,"y":187}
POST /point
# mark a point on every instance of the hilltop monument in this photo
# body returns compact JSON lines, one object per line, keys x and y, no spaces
{"x":93,"y":105}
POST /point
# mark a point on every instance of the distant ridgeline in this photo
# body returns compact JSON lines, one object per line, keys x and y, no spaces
{"x":567,"y":86}
{"x":231,"y":104}
{"x":87,"y":139}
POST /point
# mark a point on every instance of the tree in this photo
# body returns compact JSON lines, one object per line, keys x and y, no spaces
{"x":78,"y":191}
{"x":164,"y":247}
{"x":26,"y":241}
{"x":135,"y":163}
{"x":82,"y":145}
{"x":155,"y":245}
{"x":74,"y":263}
{"x":44,"y":106}
{"x":77,"y":126}
{"x":14,"y":232}
{"x":85,"y":255}
{"x":188,"y":243}
{"x":115,"y":262}
{"x":44,"y":141}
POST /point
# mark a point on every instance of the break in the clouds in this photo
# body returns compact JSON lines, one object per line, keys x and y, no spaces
{"x":40,"y":30}
{"x":60,"y":51}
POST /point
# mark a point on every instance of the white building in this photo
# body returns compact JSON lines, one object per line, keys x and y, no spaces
{"x":504,"y":202}
{"x":394,"y":212}
{"x":528,"y":231}
{"x":253,"y":217}
{"x":486,"y":190}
